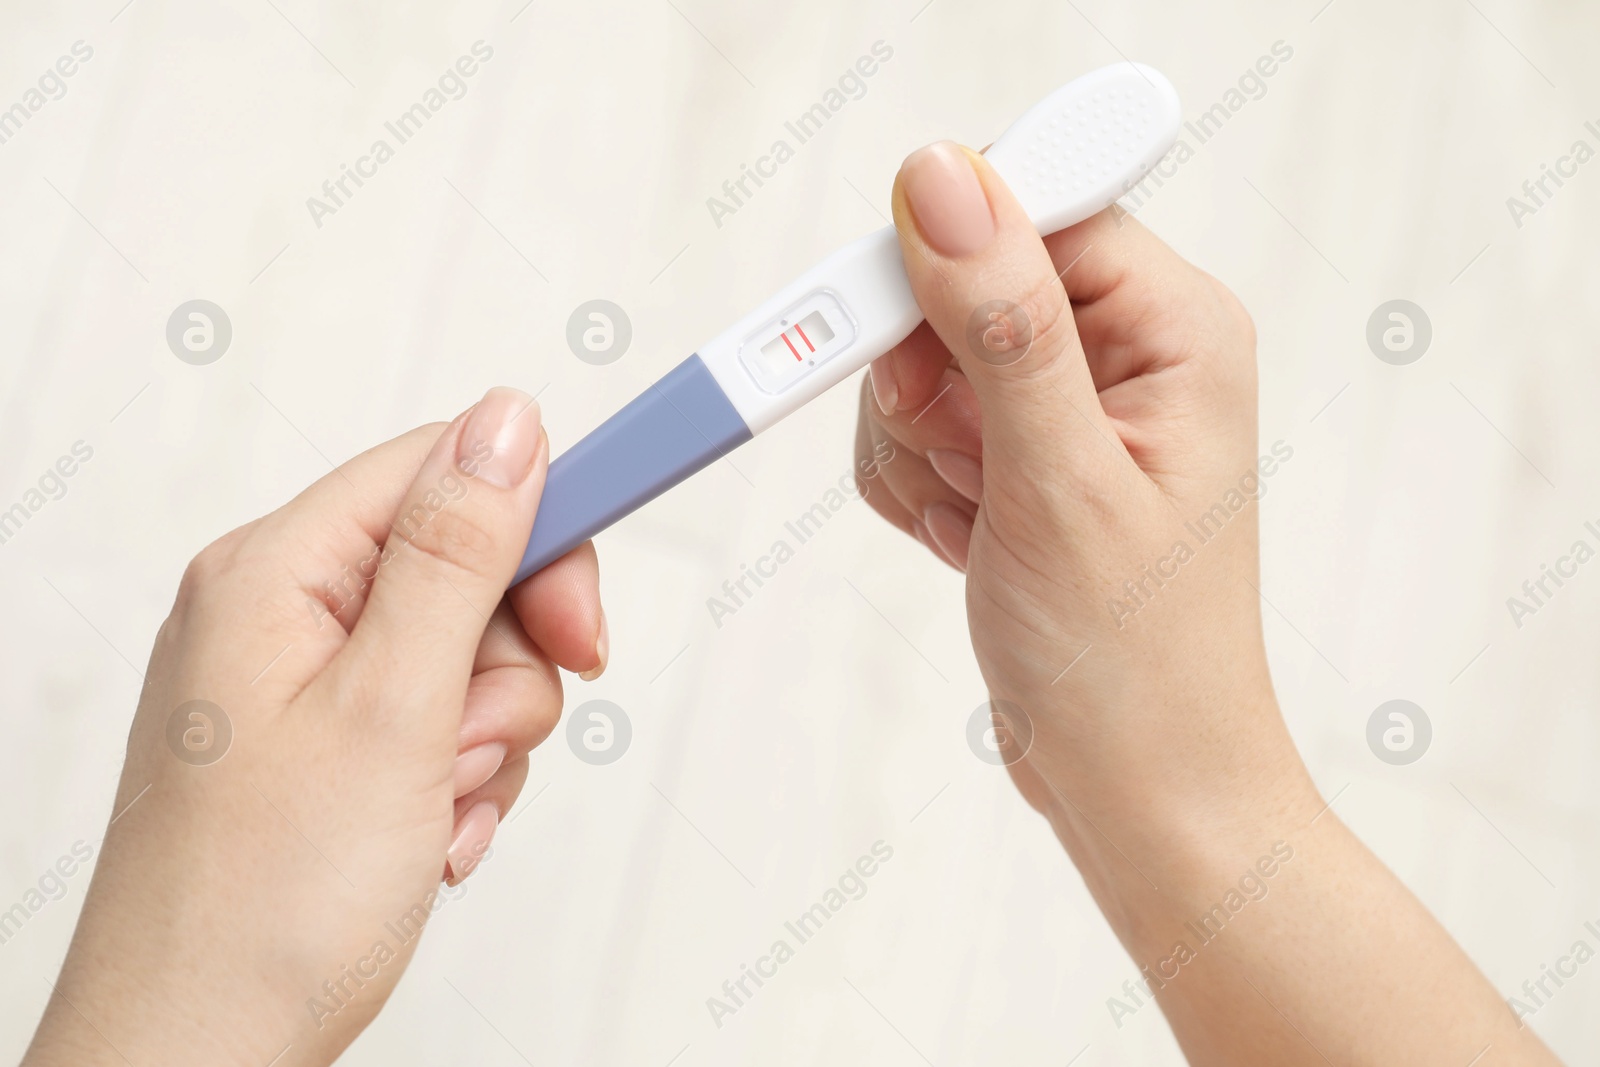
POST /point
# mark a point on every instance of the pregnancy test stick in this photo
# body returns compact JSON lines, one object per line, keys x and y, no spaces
{"x":1071,"y":155}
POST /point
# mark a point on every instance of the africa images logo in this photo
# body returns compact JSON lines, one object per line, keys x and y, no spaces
{"x":452,"y":85}
{"x":851,"y":85}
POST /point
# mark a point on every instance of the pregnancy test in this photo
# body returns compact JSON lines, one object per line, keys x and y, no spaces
{"x":1071,"y":155}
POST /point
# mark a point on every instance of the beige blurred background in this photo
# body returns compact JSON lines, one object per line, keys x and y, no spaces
{"x":829,"y":713}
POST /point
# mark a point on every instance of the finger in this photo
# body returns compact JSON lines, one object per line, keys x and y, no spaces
{"x":952,"y":423}
{"x":559,"y":608}
{"x":507,"y":644}
{"x":948,"y":436}
{"x":872,"y":441}
{"x":478,"y":815}
{"x":341,"y":520}
{"x":301,"y":573}
{"x":512,"y":704}
{"x":1113,"y":253}
{"x":908,"y":376}
{"x":989,"y":289}
{"x":1170,"y":349}
{"x":447,"y":563}
{"x":916,"y":483}
{"x":943,"y":518}
{"x":870,"y":436}
{"x":509,"y":711}
{"x":949,"y":527}
{"x":1135,"y":300}
{"x":937,"y":507}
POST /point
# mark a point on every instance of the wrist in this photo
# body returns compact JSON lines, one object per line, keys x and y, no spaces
{"x":68,"y":1042}
{"x":138,"y":986}
{"x":1163,"y":751}
{"x":109,"y":1018}
{"x":1166,"y":830}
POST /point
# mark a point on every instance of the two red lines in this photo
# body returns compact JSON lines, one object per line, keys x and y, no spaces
{"x":809,"y":346}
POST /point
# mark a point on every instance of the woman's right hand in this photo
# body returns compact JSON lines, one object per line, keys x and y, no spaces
{"x":1075,"y":429}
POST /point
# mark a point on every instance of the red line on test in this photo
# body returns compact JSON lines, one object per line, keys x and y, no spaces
{"x":790,"y":343}
{"x":804,"y":338}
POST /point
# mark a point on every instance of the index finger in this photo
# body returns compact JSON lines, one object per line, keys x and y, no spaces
{"x":1133,"y":297}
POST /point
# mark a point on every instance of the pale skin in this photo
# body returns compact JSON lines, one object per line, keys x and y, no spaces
{"x":1053,"y":451}
{"x":373,"y":757}
{"x":1160,"y":758}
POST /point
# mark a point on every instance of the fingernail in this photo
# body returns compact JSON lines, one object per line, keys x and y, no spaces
{"x":947,"y":200}
{"x":477,"y":765}
{"x":959,"y":470}
{"x":501,"y":438}
{"x":602,"y":649}
{"x":922,"y":534}
{"x":885,"y":390}
{"x":951,"y":530}
{"x":472,"y":840}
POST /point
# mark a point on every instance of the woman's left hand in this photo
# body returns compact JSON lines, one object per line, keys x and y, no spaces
{"x":337,"y":714}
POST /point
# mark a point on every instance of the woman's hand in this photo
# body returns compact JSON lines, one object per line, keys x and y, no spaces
{"x":1075,"y":428}
{"x":370,"y":697}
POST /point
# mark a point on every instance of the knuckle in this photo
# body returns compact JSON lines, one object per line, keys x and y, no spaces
{"x":211,"y":567}
{"x":1243,"y":323}
{"x":204,"y":569}
{"x":455,"y":539}
{"x":544,"y":708}
{"x":1240,"y":322}
{"x":1236,"y":319}
{"x":1225,"y":343}
{"x":527,"y":698}
{"x":1049,"y":316}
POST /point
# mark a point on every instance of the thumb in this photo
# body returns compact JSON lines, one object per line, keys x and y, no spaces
{"x":450,"y":554}
{"x":986,"y":284}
